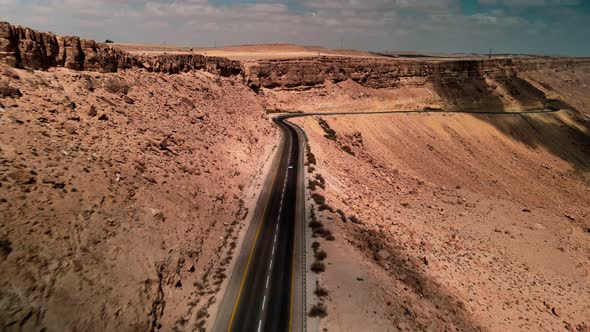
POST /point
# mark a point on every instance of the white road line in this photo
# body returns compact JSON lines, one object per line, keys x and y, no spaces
{"x":267,"y":280}
{"x":275,"y":237}
{"x":263,"y":302}
{"x":273,"y":250}
{"x":259,"y":325}
{"x":277,"y":228}
{"x":270,"y":264}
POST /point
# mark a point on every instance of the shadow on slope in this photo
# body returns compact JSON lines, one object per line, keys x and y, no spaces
{"x":443,"y":310}
{"x":566,"y":133}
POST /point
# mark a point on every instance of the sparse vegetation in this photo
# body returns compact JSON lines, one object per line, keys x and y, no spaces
{"x":330,"y":133}
{"x":321,"y":292}
{"x":348,"y":150}
{"x":318,"y":198}
{"x":318,"y":267}
{"x":113,"y":85}
{"x":108,"y":41}
{"x":315,"y":224}
{"x":7,"y":91}
{"x":311,"y":160}
{"x":341,"y":214}
{"x":321,"y":255}
{"x":318,"y":310}
{"x":354,"y":220}
{"x":315,"y":245}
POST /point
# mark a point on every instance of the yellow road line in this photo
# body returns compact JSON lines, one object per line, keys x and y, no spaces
{"x":231,"y":320}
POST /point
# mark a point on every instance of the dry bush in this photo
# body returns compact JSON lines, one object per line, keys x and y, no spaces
{"x":318,"y":267}
{"x":341,"y":214}
{"x":315,"y":245}
{"x":315,"y":224}
{"x":348,"y":150}
{"x":321,"y":292}
{"x":354,"y":220}
{"x":330,"y":133}
{"x":318,"y":198}
{"x":321,"y":255}
{"x":114,"y":85}
{"x":318,"y":310}
{"x":7,"y":91}
{"x":9,"y":72}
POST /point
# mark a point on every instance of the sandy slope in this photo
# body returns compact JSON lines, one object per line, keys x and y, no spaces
{"x":125,"y":216}
{"x":464,"y":226}
{"x":467,"y":222}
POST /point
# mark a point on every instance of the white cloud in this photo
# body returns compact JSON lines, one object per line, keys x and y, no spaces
{"x":427,"y":25}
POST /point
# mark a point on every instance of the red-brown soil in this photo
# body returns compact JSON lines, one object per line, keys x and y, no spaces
{"x":121,"y":210}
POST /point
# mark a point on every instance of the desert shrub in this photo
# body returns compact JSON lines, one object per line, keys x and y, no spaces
{"x":9,"y":72}
{"x":321,"y":255}
{"x":320,"y":179}
{"x":318,"y":310}
{"x":318,"y":267}
{"x":312,"y":185}
{"x":7,"y":91}
{"x":321,"y":292}
{"x":330,"y":133}
{"x":6,"y":247}
{"x":108,"y":41}
{"x":330,"y":237}
{"x":322,"y":232}
{"x":113,"y":85}
{"x":341,"y":214}
{"x":354,"y":220}
{"x":311,"y":160}
{"x":315,"y":245}
{"x":324,"y":207}
{"x":310,"y":169}
{"x":318,"y":198}
{"x":348,"y":150}
{"x":87,"y":84}
{"x":315,"y":224}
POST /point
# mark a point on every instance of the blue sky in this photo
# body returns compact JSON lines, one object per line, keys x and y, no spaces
{"x":471,"y":26}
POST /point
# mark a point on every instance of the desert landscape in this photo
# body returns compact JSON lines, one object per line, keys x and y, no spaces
{"x":130,"y":175}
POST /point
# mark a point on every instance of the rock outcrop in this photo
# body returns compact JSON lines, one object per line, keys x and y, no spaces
{"x":27,"y":48}
{"x":387,"y":73}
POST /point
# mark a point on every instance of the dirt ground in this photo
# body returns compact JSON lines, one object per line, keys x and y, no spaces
{"x":122,"y":195}
{"x":462,"y":222}
{"x":246,"y":52}
{"x":454,"y":233}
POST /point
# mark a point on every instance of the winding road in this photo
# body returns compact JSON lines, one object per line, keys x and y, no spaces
{"x":266,"y":290}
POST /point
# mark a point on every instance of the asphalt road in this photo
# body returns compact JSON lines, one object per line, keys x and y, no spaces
{"x":262,"y":287}
{"x":265,"y":292}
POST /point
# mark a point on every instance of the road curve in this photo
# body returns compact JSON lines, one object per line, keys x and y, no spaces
{"x":266,"y":287}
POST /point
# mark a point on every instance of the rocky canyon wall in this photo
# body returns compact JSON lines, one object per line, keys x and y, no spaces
{"x":390,"y":73}
{"x":27,"y":48}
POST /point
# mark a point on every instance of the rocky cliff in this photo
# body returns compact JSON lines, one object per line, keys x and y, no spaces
{"x":27,"y":48}
{"x":390,"y":73}
{"x":373,"y":73}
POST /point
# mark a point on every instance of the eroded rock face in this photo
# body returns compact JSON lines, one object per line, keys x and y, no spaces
{"x":389,"y":73}
{"x":27,"y":48}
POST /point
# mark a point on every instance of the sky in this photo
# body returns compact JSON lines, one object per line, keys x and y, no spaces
{"x":551,"y":27}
